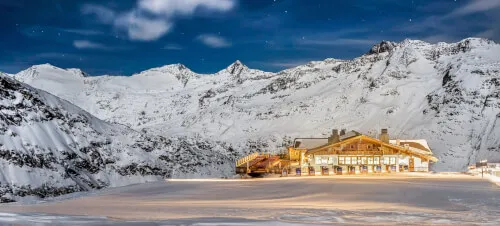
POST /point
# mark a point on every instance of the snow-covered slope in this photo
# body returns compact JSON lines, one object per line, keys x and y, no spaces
{"x":445,"y":93}
{"x":50,"y":147}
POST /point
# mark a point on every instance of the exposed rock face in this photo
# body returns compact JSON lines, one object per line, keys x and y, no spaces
{"x":236,"y":68}
{"x":445,"y":93}
{"x":49,"y":147}
{"x":382,"y":47}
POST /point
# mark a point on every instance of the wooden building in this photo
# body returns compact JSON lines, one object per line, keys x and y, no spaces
{"x":354,"y":153}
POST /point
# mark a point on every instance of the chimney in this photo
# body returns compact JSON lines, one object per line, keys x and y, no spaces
{"x":334,"y":138}
{"x":342,"y":132}
{"x":384,"y":136}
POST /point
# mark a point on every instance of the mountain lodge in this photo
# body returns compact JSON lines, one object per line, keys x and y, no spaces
{"x":344,"y":153}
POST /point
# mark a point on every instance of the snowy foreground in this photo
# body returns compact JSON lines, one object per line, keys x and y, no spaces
{"x":380,"y":200}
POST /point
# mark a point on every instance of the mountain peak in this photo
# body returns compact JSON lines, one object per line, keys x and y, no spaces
{"x":384,"y":46}
{"x":475,"y":42}
{"x":166,"y":69}
{"x":46,"y":65}
{"x":236,"y":68}
{"x":78,"y":72}
{"x":179,"y":67}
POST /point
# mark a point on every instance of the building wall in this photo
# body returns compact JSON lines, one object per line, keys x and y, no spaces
{"x":294,"y":154}
{"x":387,"y":163}
{"x":390,"y":158}
{"x":421,"y":166}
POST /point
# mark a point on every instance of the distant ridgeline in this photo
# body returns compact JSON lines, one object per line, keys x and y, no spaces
{"x":445,"y":93}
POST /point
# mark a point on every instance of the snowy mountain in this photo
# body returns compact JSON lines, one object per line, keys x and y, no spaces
{"x":50,"y":147}
{"x":445,"y":93}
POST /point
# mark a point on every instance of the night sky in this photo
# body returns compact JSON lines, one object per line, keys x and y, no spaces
{"x":122,"y":37}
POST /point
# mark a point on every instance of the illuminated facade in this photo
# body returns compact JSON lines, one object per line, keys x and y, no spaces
{"x":355,"y":153}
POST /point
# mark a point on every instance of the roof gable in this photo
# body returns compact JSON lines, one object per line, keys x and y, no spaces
{"x":420,"y":144}
{"x":413,"y":151}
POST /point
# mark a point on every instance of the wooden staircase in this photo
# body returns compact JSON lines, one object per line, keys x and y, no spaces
{"x":256,"y":163}
{"x":246,"y":159}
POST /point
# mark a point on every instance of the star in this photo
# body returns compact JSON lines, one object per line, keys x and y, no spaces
{"x":286,"y":11}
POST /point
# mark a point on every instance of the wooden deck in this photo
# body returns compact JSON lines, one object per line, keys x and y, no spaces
{"x":260,"y":164}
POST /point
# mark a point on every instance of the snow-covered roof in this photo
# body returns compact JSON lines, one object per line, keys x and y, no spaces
{"x":349,"y":134}
{"x":419,"y":144}
{"x":308,"y":143}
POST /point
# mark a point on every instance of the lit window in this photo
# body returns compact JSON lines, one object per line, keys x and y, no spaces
{"x":364,"y":160}
{"x":376,"y":160}
{"x":317,"y":160}
{"x":393,"y":160}
{"x":370,"y":161}
{"x":330,"y":160}
{"x":347,"y":160}
{"x":324,"y":160}
{"x":341,"y":160}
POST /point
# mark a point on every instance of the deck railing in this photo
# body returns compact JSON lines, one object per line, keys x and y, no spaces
{"x":420,"y":169}
{"x":246,"y":159}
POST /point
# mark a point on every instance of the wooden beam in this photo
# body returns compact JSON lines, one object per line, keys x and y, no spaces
{"x":386,"y":148}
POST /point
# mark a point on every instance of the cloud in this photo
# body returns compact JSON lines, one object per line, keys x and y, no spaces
{"x":287,"y":64}
{"x":336,"y":42}
{"x":343,"y":37}
{"x":173,"y":47}
{"x":103,"y":14}
{"x":85,"y":44}
{"x":140,"y":28}
{"x":263,"y":22}
{"x":183,"y":7}
{"x":213,"y":41}
{"x":282,"y":64}
{"x":457,"y":24}
{"x":84,"y":32}
{"x":150,"y":20}
{"x":475,"y":6}
{"x":440,"y":38}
